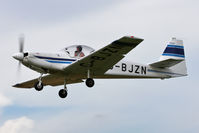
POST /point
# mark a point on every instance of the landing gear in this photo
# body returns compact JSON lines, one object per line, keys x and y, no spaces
{"x":38,"y":85}
{"x":63,"y":92}
{"x":90,"y":82}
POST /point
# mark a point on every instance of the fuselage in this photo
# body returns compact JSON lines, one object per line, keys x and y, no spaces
{"x":55,"y":64}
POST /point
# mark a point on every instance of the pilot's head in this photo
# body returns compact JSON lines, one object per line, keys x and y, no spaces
{"x":79,"y":48}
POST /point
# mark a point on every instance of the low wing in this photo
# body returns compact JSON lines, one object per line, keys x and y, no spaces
{"x":52,"y":80}
{"x":104,"y":59}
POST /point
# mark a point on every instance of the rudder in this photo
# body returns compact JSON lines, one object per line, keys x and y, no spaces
{"x":174,"y":50}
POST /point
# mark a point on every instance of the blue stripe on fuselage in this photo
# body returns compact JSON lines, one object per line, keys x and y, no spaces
{"x":61,"y":62}
{"x":52,"y":58}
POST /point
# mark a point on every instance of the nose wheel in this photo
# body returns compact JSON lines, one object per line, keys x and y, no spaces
{"x":38,"y":85}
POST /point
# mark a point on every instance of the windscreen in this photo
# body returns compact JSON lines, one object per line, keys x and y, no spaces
{"x":78,"y":51}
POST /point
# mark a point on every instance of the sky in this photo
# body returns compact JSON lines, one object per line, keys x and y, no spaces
{"x":111,"y":106}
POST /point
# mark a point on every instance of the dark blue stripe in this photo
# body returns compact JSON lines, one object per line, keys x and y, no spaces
{"x":177,"y":51}
{"x":175,"y":46}
{"x":52,"y":58}
{"x":62,"y":62}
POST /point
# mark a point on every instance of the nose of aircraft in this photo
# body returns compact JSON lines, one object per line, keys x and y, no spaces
{"x":18,"y":56}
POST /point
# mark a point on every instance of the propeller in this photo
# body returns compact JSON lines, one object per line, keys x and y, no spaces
{"x":21,"y":51}
{"x":21,"y":43}
{"x":21,"y":54}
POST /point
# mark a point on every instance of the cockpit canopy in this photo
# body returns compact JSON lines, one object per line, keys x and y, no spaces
{"x":78,"y":51}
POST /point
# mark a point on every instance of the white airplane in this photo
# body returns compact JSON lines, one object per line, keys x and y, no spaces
{"x":77,"y":63}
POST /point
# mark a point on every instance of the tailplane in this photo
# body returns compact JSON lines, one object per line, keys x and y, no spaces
{"x":173,"y":58}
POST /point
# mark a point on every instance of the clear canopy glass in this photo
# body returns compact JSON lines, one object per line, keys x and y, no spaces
{"x":78,"y":51}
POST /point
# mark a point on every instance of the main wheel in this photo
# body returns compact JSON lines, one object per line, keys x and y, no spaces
{"x":38,"y":86}
{"x":63,"y":93}
{"x":90,"y":82}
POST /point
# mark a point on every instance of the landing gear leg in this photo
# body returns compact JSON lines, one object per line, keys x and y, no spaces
{"x":63,"y":92}
{"x":38,"y":85}
{"x":89,"y":81}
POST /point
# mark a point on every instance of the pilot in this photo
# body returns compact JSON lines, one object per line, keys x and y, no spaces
{"x":78,"y":52}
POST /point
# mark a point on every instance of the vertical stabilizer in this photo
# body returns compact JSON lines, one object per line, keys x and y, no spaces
{"x":175,"y":53}
{"x":174,"y":50}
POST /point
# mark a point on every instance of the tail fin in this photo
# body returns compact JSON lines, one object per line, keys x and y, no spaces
{"x":174,"y":50}
{"x":173,"y":57}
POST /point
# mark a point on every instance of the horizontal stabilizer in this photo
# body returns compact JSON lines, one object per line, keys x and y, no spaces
{"x":166,"y":63}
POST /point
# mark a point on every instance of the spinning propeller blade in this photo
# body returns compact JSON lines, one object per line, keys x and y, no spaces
{"x":21,"y":50}
{"x":21,"y":43}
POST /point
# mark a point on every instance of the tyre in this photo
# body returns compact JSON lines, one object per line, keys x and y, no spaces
{"x":63,"y":93}
{"x":90,"y":82}
{"x":38,"y":87}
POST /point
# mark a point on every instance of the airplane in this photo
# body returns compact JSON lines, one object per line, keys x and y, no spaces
{"x":81,"y":63}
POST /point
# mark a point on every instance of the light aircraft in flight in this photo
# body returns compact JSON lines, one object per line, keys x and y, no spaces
{"x":79,"y":63}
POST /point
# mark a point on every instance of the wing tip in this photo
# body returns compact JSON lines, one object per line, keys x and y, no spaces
{"x":20,"y":86}
{"x":129,"y":41}
{"x":133,"y":37}
{"x":16,"y":85}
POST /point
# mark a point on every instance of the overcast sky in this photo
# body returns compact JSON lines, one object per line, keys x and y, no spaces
{"x":111,"y":106}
